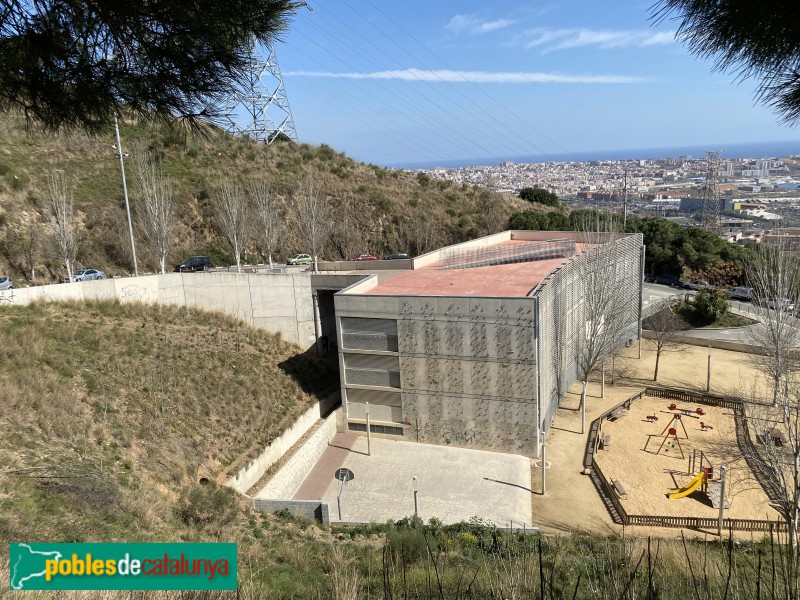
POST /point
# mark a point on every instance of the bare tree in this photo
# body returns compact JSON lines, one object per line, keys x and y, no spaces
{"x":425,"y":233}
{"x":157,"y":213}
{"x":774,"y":276}
{"x":493,"y":215}
{"x":62,"y":219}
{"x":233,"y":218}
{"x":30,"y":245}
{"x":665,"y":326}
{"x":269,"y":212}
{"x":609,"y":306}
{"x":347,"y":238}
{"x":312,"y":216}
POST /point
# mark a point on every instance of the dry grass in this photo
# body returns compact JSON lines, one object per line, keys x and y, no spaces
{"x":117,"y":411}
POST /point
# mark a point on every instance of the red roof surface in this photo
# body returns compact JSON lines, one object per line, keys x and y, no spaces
{"x":512,"y":280}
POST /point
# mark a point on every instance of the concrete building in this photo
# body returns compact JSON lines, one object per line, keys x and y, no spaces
{"x":474,"y":345}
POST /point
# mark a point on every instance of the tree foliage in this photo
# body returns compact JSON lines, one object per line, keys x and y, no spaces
{"x":539,"y":195}
{"x":759,"y":40}
{"x":75,"y":64}
{"x":710,"y":305}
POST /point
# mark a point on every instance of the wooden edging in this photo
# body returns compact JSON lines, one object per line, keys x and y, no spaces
{"x":610,"y":495}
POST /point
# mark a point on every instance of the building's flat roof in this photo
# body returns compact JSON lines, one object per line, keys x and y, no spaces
{"x":512,"y":280}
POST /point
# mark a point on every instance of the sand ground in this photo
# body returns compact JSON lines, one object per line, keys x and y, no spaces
{"x":571,"y":502}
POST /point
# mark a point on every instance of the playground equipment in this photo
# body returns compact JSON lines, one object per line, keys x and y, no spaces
{"x":705,"y":481}
{"x":697,"y":481}
{"x":671,"y":433}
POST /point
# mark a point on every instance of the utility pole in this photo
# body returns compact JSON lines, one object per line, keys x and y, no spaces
{"x":625,"y":200}
{"x":121,"y":157}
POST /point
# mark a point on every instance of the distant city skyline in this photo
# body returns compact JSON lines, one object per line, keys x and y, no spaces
{"x":425,"y":82}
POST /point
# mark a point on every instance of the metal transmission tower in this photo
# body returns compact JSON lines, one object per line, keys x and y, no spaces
{"x":260,"y":107}
{"x":710,"y":208}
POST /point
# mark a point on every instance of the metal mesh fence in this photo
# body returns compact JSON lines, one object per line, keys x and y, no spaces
{"x":506,"y":254}
{"x":562,"y":314}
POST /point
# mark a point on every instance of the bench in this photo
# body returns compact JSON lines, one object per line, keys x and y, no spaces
{"x":617,"y":413}
{"x":618,"y":488}
{"x":605,"y":440}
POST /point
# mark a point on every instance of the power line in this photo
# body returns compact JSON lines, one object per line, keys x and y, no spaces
{"x":480,"y":89}
{"x":525,"y":146}
{"x":380,"y":84}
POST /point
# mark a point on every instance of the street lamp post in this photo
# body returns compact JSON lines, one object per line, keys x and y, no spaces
{"x":416,"y":502}
{"x":121,"y":157}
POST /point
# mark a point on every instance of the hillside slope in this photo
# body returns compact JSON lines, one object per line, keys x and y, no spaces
{"x":374,"y":209}
{"x":112,"y":414}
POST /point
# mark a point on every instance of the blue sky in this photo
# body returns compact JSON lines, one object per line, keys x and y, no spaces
{"x":427,"y":81}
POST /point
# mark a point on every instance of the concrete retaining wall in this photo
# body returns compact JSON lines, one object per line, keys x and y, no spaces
{"x":307,"y":509}
{"x":278,"y":303}
{"x":249,"y":475}
{"x":732,"y":345}
{"x":287,"y":480}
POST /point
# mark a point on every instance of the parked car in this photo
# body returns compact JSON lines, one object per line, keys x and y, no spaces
{"x":698,"y":284}
{"x":665,"y":279}
{"x":87,"y":275}
{"x":365,"y":257}
{"x":779,"y":304}
{"x":740,"y":293}
{"x":300,"y":259}
{"x":396,"y":256}
{"x":194,"y":264}
{"x":5,"y":283}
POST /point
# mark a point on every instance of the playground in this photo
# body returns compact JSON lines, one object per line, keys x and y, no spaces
{"x":664,"y":457}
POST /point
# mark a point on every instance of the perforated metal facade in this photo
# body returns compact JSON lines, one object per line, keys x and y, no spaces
{"x":475,"y":371}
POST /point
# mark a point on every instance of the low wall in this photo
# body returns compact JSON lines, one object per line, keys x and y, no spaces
{"x":249,"y":475}
{"x":306,"y":509}
{"x":732,"y":345}
{"x":287,"y":480}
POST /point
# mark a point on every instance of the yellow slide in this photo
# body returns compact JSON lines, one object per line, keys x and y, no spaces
{"x":684,"y":491}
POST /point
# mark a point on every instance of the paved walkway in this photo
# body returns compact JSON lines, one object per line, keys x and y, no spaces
{"x":318,"y":480}
{"x":453,"y":484}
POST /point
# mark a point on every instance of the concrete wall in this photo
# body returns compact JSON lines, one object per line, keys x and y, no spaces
{"x":249,"y":475}
{"x":278,"y":303}
{"x":288,"y":478}
{"x":733,"y":345}
{"x":366,"y":265}
{"x":306,"y":509}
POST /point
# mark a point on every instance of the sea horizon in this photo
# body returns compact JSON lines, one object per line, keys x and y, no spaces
{"x":753,"y":150}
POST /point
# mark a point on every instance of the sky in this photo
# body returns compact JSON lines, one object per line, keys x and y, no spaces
{"x":424,"y":82}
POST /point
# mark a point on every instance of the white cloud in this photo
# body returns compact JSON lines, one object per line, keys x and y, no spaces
{"x":449,"y":76}
{"x":474,"y":25}
{"x":562,"y":39}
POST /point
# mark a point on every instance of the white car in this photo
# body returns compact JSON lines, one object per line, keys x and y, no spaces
{"x":5,"y":283}
{"x":698,"y":284}
{"x":87,"y":275}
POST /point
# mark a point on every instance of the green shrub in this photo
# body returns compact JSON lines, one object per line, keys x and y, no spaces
{"x":207,"y":505}
{"x":711,"y":304}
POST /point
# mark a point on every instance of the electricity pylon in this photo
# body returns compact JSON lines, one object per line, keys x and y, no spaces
{"x":259,"y":108}
{"x":709,"y":216}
